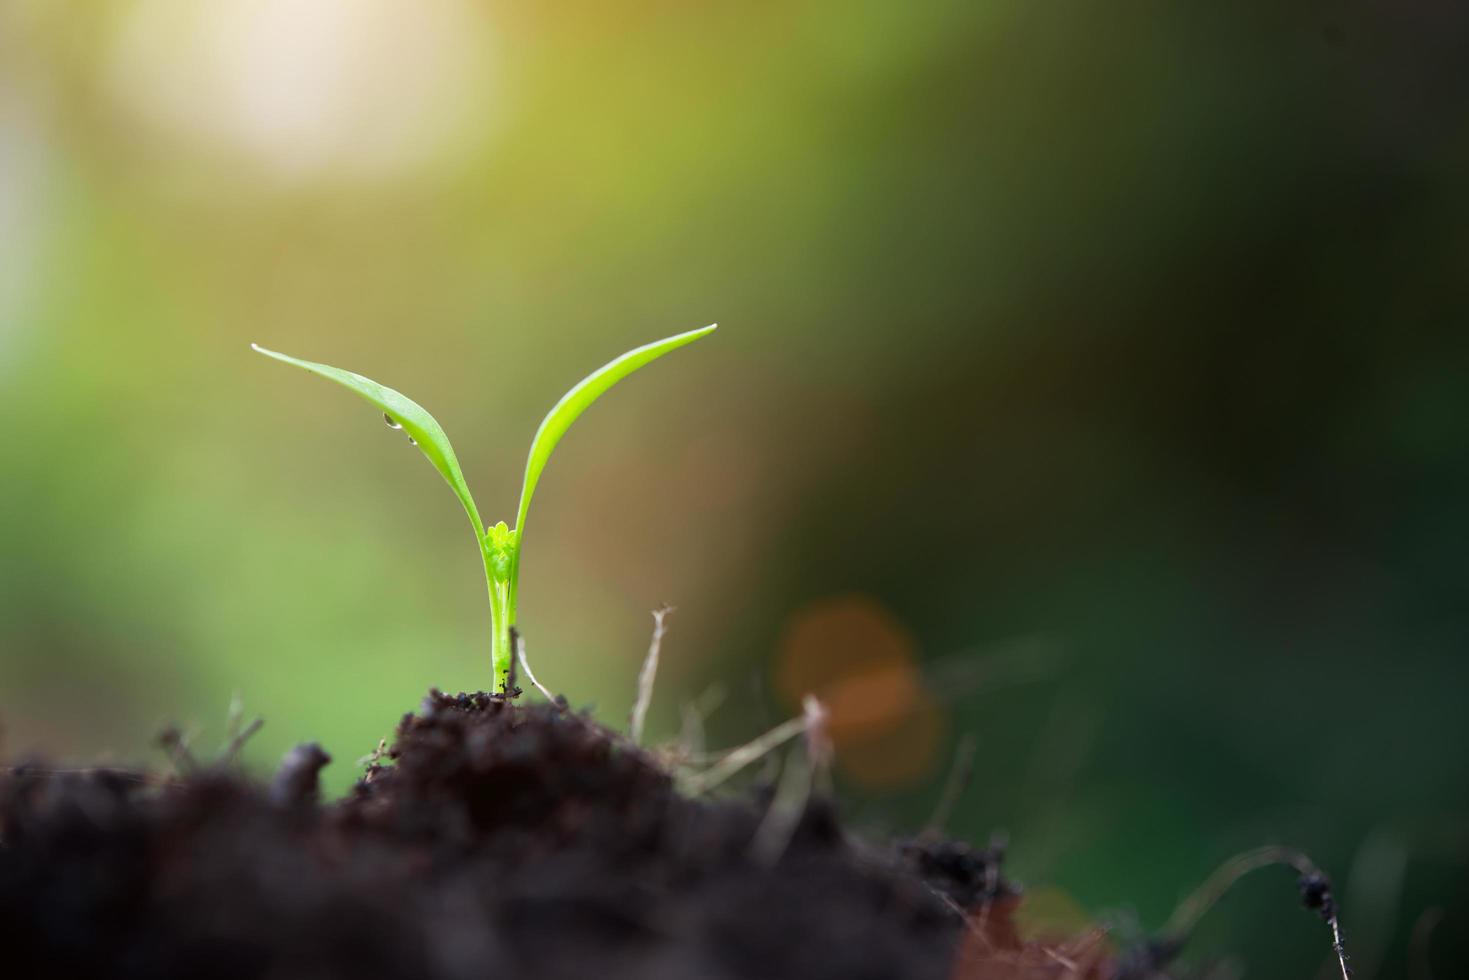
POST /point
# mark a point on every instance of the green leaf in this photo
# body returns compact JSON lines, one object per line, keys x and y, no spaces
{"x":575,"y":401}
{"x":400,"y":411}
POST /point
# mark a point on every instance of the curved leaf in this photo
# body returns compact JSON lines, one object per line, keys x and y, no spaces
{"x":400,"y":411}
{"x":575,"y":401}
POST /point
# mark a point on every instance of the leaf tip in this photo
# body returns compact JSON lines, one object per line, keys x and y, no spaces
{"x":688,"y":337}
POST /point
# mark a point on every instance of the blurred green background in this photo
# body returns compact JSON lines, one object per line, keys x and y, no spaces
{"x":1106,"y":361}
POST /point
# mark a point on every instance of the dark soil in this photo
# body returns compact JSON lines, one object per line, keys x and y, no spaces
{"x":494,"y":841}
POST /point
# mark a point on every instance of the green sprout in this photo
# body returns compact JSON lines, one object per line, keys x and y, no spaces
{"x":499,"y":545}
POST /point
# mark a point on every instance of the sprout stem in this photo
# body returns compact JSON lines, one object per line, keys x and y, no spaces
{"x":500,"y":651}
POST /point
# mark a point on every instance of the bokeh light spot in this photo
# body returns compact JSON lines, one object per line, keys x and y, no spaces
{"x":854,"y":655}
{"x":339,"y":87}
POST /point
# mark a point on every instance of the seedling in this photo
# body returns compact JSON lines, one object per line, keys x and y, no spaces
{"x":499,"y":545}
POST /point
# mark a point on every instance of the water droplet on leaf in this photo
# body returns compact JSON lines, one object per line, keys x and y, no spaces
{"x":392,"y":422}
{"x":412,"y":441}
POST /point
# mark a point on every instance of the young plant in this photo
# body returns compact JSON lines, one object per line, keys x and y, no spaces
{"x":499,"y":545}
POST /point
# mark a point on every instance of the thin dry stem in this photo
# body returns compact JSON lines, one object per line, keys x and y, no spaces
{"x":710,"y":699}
{"x":1066,"y":962}
{"x":774,"y":834}
{"x":1338,"y":947}
{"x":732,"y":762}
{"x":646,"y":677}
{"x":1186,"y":917}
{"x":176,"y":744}
{"x":690,"y":733}
{"x":819,"y":747}
{"x":960,"y":773}
{"x":376,"y":754}
{"x":1024,"y":660}
{"x":234,"y":715}
{"x":693,"y":714}
{"x":240,"y":738}
{"x":525,"y":666}
{"x":978,"y":928}
{"x":1197,"y":905}
{"x":997,"y":846}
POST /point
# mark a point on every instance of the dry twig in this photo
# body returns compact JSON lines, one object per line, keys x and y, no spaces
{"x":525,"y":666}
{"x":732,"y":762}
{"x":646,"y":676}
{"x":960,"y":773}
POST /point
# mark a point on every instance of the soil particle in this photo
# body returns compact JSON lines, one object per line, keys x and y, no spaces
{"x":492,"y":840}
{"x":970,"y":877}
{"x":295,"y":781}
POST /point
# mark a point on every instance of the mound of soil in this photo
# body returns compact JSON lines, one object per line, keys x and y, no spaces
{"x":498,"y":841}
